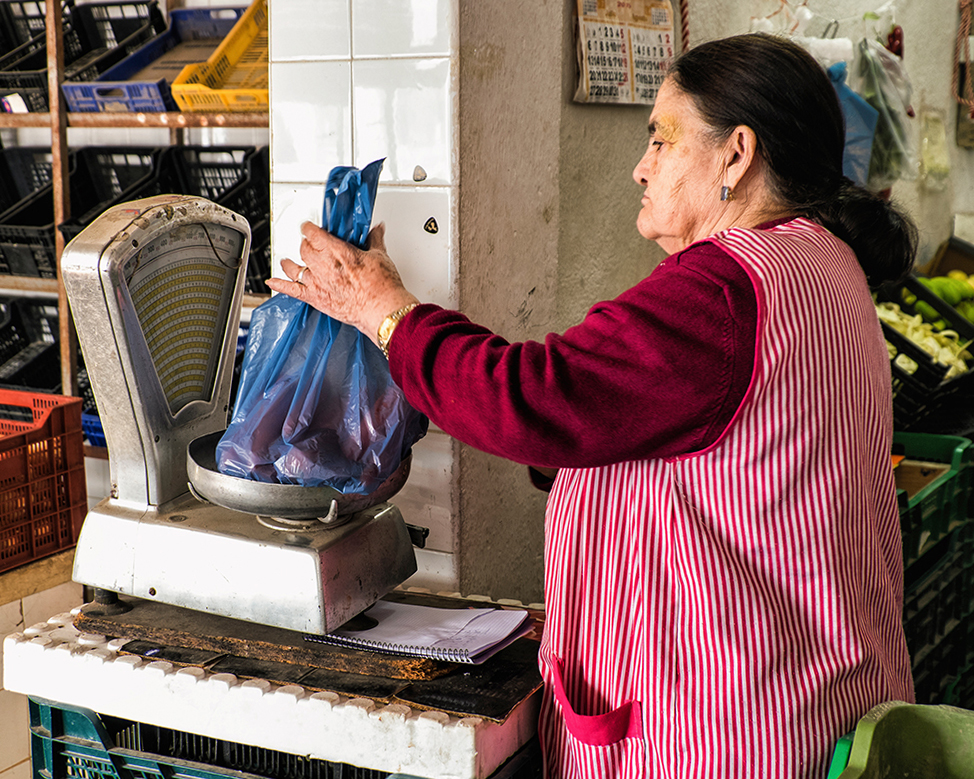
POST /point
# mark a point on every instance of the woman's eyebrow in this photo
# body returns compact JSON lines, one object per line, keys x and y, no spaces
{"x":652,"y":128}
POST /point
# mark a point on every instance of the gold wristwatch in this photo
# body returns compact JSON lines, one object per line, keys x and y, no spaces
{"x":388,"y":327}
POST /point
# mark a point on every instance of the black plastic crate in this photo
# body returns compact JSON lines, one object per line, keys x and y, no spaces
{"x":25,"y":24}
{"x":259,"y":262}
{"x":251,"y":199}
{"x":96,"y":37}
{"x":23,"y":323}
{"x":938,"y":615}
{"x":23,"y":171}
{"x":213,"y":172}
{"x":250,"y":196}
{"x":925,"y":390}
{"x":20,"y":21}
{"x":236,"y":177}
{"x":97,"y":175}
{"x":113,"y":171}
{"x":29,"y":356}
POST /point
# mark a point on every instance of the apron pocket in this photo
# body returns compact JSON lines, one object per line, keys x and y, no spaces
{"x":597,"y":730}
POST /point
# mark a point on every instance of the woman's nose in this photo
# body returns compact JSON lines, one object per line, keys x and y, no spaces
{"x":639,"y":174}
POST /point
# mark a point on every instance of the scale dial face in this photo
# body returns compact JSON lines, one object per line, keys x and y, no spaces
{"x":181,"y":285}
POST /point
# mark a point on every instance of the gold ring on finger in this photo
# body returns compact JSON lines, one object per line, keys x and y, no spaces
{"x":301,"y":275}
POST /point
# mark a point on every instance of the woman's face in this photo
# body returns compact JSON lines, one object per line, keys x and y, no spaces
{"x":681,"y":174}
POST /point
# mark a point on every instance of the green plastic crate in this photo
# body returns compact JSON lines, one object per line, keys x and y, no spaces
{"x":931,"y":513}
{"x":70,"y":742}
{"x":897,"y":740}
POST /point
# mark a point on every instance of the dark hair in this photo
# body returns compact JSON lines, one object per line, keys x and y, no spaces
{"x":776,"y":88}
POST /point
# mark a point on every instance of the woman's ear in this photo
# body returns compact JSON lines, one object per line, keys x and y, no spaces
{"x":740,"y":153}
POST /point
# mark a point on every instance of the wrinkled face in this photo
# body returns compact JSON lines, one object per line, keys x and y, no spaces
{"x":681,"y":173}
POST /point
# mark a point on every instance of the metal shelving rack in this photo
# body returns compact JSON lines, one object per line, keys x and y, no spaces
{"x":59,"y":121}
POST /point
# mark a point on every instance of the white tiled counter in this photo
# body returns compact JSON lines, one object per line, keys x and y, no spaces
{"x":53,"y":661}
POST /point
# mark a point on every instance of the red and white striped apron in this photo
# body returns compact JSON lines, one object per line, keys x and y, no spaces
{"x":733,"y":612}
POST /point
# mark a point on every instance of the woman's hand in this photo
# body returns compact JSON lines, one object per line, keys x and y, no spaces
{"x":355,"y":286}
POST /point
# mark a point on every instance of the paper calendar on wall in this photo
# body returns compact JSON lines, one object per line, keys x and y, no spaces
{"x":624,"y":49}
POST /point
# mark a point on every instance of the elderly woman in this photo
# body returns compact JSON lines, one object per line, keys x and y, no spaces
{"x":724,"y":581}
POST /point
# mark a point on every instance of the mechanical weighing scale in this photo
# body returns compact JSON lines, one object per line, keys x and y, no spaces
{"x":155,"y":288}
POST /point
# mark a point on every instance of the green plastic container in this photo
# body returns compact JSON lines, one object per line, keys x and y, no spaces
{"x":931,"y":513}
{"x":898,"y":740}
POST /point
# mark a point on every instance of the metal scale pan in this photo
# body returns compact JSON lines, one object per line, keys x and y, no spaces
{"x":284,"y":506}
{"x":155,"y":289}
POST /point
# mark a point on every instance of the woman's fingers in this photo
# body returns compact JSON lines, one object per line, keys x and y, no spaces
{"x":357,"y":286}
{"x":293,"y":284}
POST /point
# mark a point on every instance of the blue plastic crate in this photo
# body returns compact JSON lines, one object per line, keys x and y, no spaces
{"x":91,"y":427}
{"x":141,"y":82}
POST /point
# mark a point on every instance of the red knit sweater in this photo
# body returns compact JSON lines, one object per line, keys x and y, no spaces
{"x":657,"y":372}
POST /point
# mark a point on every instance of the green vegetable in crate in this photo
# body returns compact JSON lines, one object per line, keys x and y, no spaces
{"x":951,"y":290}
{"x":924,"y":309}
{"x":930,"y":314}
{"x":943,"y":347}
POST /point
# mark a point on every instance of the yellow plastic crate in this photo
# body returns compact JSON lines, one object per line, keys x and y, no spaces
{"x":234,"y":78}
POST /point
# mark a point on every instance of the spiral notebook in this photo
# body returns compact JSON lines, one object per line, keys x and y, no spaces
{"x":469,"y":635}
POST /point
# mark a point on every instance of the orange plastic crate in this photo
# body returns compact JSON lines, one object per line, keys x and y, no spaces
{"x":43,"y":495}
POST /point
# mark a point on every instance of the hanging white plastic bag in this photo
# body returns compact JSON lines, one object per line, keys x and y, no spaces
{"x":884,"y":84}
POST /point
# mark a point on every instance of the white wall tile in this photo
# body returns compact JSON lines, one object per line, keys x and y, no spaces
{"x":402,"y":110}
{"x":421,"y":256}
{"x":425,"y":498}
{"x":291,"y":205}
{"x":309,"y":29}
{"x":311,"y":127}
{"x":98,"y":479}
{"x":398,"y":27}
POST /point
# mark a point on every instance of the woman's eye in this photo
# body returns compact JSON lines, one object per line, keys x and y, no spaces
{"x":657,"y":144}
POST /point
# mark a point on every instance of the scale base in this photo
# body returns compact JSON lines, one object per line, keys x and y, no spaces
{"x":212,"y":559}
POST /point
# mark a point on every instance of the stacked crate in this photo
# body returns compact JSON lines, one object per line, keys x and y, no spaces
{"x":938,"y":549}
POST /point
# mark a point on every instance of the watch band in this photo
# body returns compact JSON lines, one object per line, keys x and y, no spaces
{"x":388,"y":327}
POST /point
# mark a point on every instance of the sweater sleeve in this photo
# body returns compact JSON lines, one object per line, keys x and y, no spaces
{"x":657,"y":372}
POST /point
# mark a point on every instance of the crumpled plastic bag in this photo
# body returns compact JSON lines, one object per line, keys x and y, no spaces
{"x":316,"y":404}
{"x":884,"y":84}
{"x":860,"y":125}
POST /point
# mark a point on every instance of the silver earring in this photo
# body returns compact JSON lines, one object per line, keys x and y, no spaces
{"x":726,"y":194}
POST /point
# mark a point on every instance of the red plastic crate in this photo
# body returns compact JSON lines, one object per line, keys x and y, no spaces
{"x":43,"y":495}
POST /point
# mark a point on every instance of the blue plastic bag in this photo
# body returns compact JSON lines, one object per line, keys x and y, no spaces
{"x":860,"y":126}
{"x":316,"y":405}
